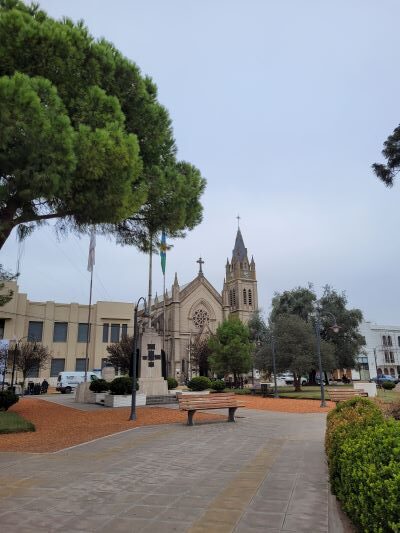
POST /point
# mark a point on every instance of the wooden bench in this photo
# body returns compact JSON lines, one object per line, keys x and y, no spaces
{"x":340,"y":395}
{"x":196,"y":402}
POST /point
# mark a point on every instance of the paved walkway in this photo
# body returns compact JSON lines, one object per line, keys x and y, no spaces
{"x":265,"y":473}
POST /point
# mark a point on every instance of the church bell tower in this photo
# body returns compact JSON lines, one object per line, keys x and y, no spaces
{"x":240,"y":287}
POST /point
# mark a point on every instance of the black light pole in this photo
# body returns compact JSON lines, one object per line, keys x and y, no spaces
{"x":135,"y":338}
{"x":335,"y":329}
{"x":274,"y":366}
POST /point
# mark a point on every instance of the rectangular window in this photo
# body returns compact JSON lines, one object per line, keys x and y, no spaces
{"x":104,"y":362}
{"x":33,"y":372}
{"x":57,"y":366}
{"x":115,"y":332}
{"x":106,"y":328}
{"x":80,"y":364}
{"x":35,"y":332}
{"x":124,"y":330}
{"x":398,"y":341}
{"x":82,"y":332}
{"x":2,"y":326}
{"x":60,"y":331}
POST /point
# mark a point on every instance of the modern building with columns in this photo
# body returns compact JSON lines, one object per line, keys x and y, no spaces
{"x":189,"y":309}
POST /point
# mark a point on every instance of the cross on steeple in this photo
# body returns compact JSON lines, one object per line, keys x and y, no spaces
{"x":201,"y":263}
{"x":238,"y":219}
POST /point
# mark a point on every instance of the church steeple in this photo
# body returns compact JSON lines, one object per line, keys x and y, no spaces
{"x":241,"y":281}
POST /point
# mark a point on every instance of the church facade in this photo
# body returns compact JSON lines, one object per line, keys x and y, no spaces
{"x":197,"y":308}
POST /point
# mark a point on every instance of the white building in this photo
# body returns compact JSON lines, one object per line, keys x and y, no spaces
{"x":382,"y":351}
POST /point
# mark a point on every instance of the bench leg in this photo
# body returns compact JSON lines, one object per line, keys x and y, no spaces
{"x":190,"y":418}
{"x":232,"y":411}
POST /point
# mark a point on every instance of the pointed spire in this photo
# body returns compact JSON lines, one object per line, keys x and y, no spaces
{"x":239,"y":253}
{"x":156,"y":299}
{"x":176,"y":284}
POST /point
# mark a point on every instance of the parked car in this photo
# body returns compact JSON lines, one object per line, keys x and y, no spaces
{"x":288,"y":378}
{"x":384,"y":377}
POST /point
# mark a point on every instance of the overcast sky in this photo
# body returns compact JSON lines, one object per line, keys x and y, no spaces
{"x":283,"y":105}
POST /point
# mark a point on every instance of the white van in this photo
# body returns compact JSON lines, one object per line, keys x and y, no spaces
{"x":68,"y":381}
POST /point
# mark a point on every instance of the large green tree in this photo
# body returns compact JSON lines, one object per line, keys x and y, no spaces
{"x":295,"y":348}
{"x":231,"y":348}
{"x":302,"y":301}
{"x":5,"y":293}
{"x":83,"y":138}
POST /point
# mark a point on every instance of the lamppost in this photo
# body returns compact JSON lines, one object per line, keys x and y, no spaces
{"x":274,"y":366}
{"x":135,"y":338}
{"x":335,"y":328}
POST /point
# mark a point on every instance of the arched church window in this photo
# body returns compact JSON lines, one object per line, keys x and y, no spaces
{"x":250,"y":298}
{"x":244,"y":296}
{"x":230,"y":298}
{"x":234,"y":297}
{"x":384,"y":340}
{"x":200,"y":318}
{"x":389,"y":340}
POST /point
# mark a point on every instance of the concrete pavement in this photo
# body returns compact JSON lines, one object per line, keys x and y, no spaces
{"x":265,"y":473}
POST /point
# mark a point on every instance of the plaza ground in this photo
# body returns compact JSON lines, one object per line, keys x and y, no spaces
{"x":265,"y":473}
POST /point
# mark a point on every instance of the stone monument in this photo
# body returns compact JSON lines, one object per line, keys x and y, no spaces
{"x":151,"y":381}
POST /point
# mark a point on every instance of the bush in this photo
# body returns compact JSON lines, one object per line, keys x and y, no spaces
{"x":218,"y":385}
{"x":388,"y":385}
{"x":172,"y":383}
{"x":199,"y":383}
{"x":241,"y":391}
{"x":369,"y":486}
{"x":7,"y":399}
{"x":122,"y":385}
{"x":99,"y":385}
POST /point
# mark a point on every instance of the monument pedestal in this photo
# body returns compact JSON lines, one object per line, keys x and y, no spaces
{"x":151,"y":381}
{"x":83,"y":393}
{"x":153,"y":386}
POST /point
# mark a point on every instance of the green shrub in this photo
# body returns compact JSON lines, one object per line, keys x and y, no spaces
{"x":99,"y":385}
{"x":348,"y":418}
{"x":388,"y":385}
{"x":7,"y":399}
{"x":172,"y":383}
{"x":199,"y":383}
{"x":122,"y":385}
{"x":218,"y":385}
{"x":369,"y":486}
{"x":241,"y":391}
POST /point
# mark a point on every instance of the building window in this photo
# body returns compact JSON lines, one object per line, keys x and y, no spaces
{"x":389,"y":340}
{"x":35,"y":332}
{"x":230,"y":298}
{"x":80,"y":364}
{"x":244,"y":297}
{"x":250,"y":298}
{"x":387,"y":360}
{"x":200,"y":318}
{"x":183,"y":365}
{"x":2,"y":326}
{"x":60,"y":331}
{"x":392,"y":372}
{"x":385,"y":371}
{"x":83,"y":332}
{"x":106,"y":329}
{"x":234,"y":297}
{"x":114,"y":333}
{"x":33,"y":372}
{"x":384,"y":340}
{"x":391,"y":356}
{"x":124,"y":330}
{"x":57,"y":366}
{"x":398,"y":341}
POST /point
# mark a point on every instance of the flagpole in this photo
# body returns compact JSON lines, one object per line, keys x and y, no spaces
{"x":165,"y":353}
{"x":88,"y":329}
{"x":150,"y":278}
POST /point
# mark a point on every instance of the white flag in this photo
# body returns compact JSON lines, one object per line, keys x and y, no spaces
{"x":92,"y":246}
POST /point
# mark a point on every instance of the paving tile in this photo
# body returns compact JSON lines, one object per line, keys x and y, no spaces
{"x":124,"y":525}
{"x":261,"y":520}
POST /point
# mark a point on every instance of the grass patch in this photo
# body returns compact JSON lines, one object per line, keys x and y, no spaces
{"x":14,"y":423}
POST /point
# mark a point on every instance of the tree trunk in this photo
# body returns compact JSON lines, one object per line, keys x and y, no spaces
{"x":296,"y":382}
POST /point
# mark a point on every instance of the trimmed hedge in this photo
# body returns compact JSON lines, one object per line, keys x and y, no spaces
{"x":99,"y":385}
{"x":218,"y":385}
{"x":122,"y":385}
{"x":388,"y":385}
{"x":172,"y":383}
{"x":364,"y":464}
{"x":199,"y":383}
{"x":7,"y":399}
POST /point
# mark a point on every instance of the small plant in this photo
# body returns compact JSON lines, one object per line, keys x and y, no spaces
{"x":99,"y":385}
{"x":218,"y":385}
{"x":388,"y":385}
{"x":122,"y":385}
{"x":7,"y":399}
{"x":241,"y":391}
{"x":172,"y":383}
{"x":199,"y":383}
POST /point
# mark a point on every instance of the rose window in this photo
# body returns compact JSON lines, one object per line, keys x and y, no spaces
{"x":200,"y":318}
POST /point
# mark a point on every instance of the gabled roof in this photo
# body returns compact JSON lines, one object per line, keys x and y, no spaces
{"x":200,"y":280}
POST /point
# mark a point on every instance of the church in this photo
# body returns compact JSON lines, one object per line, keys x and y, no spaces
{"x":198,"y":308}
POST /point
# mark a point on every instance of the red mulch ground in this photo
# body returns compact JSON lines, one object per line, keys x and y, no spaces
{"x":59,"y":427}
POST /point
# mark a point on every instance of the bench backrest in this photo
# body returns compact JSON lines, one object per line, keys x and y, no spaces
{"x":197,"y":400}
{"x":337,"y":395}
